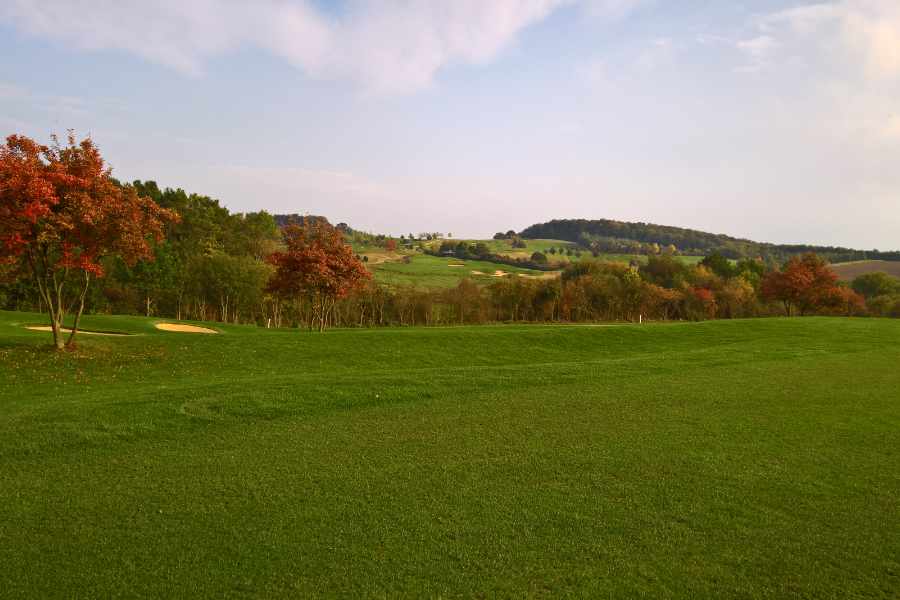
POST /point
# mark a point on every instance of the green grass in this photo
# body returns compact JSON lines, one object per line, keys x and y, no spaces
{"x":742,"y":459}
{"x":426,"y":271}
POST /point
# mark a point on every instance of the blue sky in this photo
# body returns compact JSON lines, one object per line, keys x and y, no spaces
{"x":774,"y":120}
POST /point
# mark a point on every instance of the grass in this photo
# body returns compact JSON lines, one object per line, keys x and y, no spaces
{"x":742,"y":459}
{"x":426,"y":271}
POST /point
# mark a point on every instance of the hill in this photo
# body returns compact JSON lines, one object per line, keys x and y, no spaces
{"x":730,"y":458}
{"x":624,"y":237}
{"x":851,"y":270}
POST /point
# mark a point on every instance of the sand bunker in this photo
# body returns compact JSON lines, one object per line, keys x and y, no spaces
{"x":452,"y":265}
{"x":477,"y":273}
{"x":179,"y":328}
{"x":80,"y":331}
{"x":500,"y":274}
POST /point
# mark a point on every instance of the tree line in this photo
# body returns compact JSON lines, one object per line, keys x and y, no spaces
{"x":609,"y":236}
{"x":75,"y":240}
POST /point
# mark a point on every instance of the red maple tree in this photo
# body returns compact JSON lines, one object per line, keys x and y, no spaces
{"x":61,"y":214}
{"x":805,"y":282}
{"x":317,"y":266}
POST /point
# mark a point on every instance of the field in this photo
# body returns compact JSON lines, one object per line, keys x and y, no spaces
{"x":742,"y":459}
{"x":426,"y":271}
{"x":504,"y":248}
{"x":851,"y":270}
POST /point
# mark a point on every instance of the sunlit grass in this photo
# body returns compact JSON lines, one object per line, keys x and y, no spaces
{"x":721,"y":459}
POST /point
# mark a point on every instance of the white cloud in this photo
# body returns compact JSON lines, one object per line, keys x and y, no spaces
{"x":759,"y":47}
{"x":863,"y":31}
{"x":891,"y":129}
{"x":385,"y":45}
{"x":758,"y":50}
{"x":612,"y":9}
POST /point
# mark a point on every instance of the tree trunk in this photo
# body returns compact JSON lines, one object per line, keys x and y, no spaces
{"x":87,"y":281}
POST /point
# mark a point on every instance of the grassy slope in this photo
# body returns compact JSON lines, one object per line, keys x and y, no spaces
{"x":730,"y":459}
{"x":428,"y":271}
{"x":851,"y":270}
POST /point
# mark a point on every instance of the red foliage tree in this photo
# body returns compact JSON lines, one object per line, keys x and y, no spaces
{"x":61,"y":214}
{"x":390,"y":245}
{"x":805,"y":282}
{"x":706,"y":299}
{"x":845,"y":302}
{"x":317,"y":266}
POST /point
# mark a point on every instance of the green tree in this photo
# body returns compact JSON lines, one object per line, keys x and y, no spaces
{"x":871,"y":285}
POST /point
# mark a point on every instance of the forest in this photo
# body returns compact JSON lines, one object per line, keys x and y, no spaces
{"x":605,"y":235}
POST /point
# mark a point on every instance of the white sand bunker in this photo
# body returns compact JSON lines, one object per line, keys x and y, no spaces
{"x":455,"y":265}
{"x":494,"y":274}
{"x":179,"y":328}
{"x":80,"y":331}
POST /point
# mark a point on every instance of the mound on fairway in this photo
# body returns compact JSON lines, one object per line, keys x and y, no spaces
{"x":67,"y":330}
{"x":723,"y":459}
{"x":181,"y":328}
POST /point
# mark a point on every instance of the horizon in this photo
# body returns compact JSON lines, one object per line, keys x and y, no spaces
{"x":775,"y":124}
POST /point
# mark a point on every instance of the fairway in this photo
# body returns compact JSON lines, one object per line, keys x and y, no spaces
{"x":426,"y":271}
{"x":744,"y":459}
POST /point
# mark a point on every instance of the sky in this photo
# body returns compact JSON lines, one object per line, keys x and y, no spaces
{"x":772,"y":120}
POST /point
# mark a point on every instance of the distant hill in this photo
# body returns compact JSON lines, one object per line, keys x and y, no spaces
{"x":606,"y":235}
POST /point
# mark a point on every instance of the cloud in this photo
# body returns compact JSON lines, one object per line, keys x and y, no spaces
{"x":863,"y":31}
{"x":613,"y":9}
{"x":383,"y":45}
{"x":759,"y":47}
{"x":758,"y":50}
{"x":891,"y":129}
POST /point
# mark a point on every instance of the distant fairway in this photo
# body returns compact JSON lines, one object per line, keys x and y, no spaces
{"x":426,"y":271}
{"x":436,"y":272}
{"x":742,"y":459}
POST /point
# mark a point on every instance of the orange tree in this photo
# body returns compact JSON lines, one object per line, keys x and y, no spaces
{"x":62,"y":214}
{"x":317,"y":266}
{"x":805,"y":282}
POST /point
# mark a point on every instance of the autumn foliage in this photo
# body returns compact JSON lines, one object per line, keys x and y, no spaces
{"x":61,"y":214}
{"x":317,"y":267}
{"x":807,"y":284}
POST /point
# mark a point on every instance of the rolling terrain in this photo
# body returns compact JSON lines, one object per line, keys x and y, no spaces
{"x":851,"y":270}
{"x":411,"y":268}
{"x":742,"y":459}
{"x":427,"y":271}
